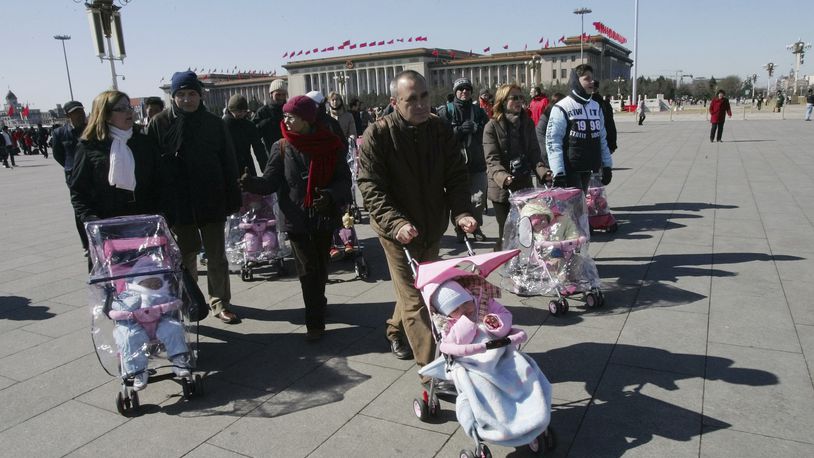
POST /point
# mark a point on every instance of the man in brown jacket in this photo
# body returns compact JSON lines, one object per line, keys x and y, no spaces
{"x":411,"y":176}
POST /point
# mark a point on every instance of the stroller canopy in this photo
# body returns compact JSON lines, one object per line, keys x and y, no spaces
{"x":431,"y":275}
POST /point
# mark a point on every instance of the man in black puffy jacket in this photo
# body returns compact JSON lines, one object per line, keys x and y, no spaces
{"x":269,"y":116}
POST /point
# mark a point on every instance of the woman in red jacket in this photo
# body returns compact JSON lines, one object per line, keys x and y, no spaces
{"x":718,"y":109}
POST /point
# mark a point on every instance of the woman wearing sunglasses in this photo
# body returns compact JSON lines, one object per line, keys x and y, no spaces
{"x":512,"y":152}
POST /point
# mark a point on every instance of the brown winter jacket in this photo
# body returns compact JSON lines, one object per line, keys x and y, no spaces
{"x":412,"y":174}
{"x":496,"y":147}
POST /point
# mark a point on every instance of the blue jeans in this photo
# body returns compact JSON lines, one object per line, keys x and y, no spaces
{"x":133,"y":342}
{"x":809,"y":108}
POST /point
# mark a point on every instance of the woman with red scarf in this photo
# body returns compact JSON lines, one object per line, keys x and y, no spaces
{"x":307,"y":170}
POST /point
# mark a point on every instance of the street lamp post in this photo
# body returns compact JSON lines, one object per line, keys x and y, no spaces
{"x":770,"y":70}
{"x":799,"y":51}
{"x":532,"y":64}
{"x":619,"y":82}
{"x":581,"y":12}
{"x":341,"y":80}
{"x":62,"y":38}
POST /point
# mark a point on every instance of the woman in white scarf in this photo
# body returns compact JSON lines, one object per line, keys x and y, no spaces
{"x":116,"y":172}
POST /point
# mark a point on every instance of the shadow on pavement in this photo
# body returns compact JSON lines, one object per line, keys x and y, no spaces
{"x":673,"y":206}
{"x":624,"y":395}
{"x":18,"y":308}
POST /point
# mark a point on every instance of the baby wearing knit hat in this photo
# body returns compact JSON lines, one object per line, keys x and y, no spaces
{"x":453,"y":300}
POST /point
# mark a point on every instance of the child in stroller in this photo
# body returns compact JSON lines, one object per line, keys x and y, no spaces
{"x":251,"y":236}
{"x":503,"y":396}
{"x":599,"y":215}
{"x":145,"y":312}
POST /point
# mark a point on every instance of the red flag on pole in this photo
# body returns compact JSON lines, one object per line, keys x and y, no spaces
{"x":546,"y":44}
{"x":391,"y":42}
{"x":25,"y":111}
{"x":562,"y":39}
{"x":487,"y":49}
{"x":526,"y":47}
{"x":299,"y":53}
{"x":307,"y":52}
{"x":400,"y":40}
{"x":362,"y":45}
{"x":329,"y":48}
{"x":353,"y":46}
{"x":372,"y":43}
{"x":316,"y":50}
{"x":420,"y":38}
{"x":11,"y":110}
{"x":381,"y":43}
{"x":435,"y":53}
{"x":346,"y":43}
{"x":410,"y":40}
{"x":285,"y":55}
{"x":506,"y":46}
{"x":541,"y":40}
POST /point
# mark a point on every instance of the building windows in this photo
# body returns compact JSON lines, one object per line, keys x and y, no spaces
{"x":573,"y":58}
{"x":563,"y":73}
{"x":554,"y":74}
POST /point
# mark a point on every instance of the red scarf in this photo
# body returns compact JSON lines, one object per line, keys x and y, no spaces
{"x":320,"y":146}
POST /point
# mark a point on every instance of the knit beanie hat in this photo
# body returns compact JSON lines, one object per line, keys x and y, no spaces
{"x":303,"y":107}
{"x":449,"y":296}
{"x":185,"y":80}
{"x":462,"y":83}
{"x":316,"y":96}
{"x":237,"y":102}
{"x":277,"y":85}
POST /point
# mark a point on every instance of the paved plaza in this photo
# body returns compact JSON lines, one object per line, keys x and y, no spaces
{"x":705,"y":346}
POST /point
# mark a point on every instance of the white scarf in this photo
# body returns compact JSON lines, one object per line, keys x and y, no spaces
{"x":122,"y":165}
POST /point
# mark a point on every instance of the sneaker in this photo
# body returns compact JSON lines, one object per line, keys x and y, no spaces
{"x":180,"y":366}
{"x":140,"y":381}
{"x":335,"y":254}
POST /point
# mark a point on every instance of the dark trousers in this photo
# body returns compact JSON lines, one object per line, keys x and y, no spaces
{"x":311,"y":256}
{"x":4,"y":156}
{"x":720,"y":128}
{"x":80,"y":228}
{"x":501,"y":213}
{"x":578,"y":180}
{"x":641,"y":118}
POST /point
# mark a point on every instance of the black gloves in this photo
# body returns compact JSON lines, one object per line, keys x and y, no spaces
{"x":560,"y":181}
{"x":467,"y":127}
{"x":323,"y":204}
{"x":607,"y":174}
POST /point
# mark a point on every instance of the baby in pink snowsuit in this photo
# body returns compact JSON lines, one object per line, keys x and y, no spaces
{"x":454,"y":301}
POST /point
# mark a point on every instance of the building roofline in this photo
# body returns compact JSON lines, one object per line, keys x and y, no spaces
{"x":413,"y":52}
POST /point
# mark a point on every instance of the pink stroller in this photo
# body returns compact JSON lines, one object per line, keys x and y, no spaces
{"x":550,"y":228}
{"x":252,"y":239}
{"x":486,"y":368}
{"x":143,"y":307}
{"x":599,"y":215}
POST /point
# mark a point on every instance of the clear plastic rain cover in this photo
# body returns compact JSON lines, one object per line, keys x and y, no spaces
{"x":251,"y":234}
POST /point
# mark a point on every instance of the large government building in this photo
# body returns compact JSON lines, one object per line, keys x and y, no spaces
{"x":357,"y":74}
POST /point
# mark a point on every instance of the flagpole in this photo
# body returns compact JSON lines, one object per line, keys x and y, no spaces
{"x":635,"y":51}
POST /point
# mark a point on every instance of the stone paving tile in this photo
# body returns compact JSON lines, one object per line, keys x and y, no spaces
{"x":17,"y":340}
{"x":798,"y":296}
{"x":6,"y":382}
{"x":210,"y":451}
{"x":320,"y":403}
{"x":58,"y":431}
{"x":806,"y":334}
{"x":653,"y":413}
{"x":45,"y":356}
{"x":366,"y":436}
{"x":63,"y":323}
{"x":664,"y":340}
{"x":730,"y":442}
{"x":24,"y":400}
{"x":752,"y":321}
{"x":759,"y":391}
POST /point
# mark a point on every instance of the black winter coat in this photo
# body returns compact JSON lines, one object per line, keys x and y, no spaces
{"x":201,"y":172}
{"x":472,"y":143}
{"x":268,"y":119}
{"x":246,"y":139}
{"x":92,"y":195}
{"x":287,"y":174}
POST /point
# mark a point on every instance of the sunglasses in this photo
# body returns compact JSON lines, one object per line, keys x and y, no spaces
{"x":125,"y":109}
{"x":517,"y":98}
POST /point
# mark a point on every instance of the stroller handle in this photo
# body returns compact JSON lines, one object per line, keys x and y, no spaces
{"x":497,"y":343}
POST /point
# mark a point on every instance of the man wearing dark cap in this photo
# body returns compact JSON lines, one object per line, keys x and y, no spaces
{"x":64,"y":140}
{"x":467,"y":121}
{"x":152,"y":106}
{"x":199,"y":159}
{"x":245,"y":136}
{"x":269,"y":116}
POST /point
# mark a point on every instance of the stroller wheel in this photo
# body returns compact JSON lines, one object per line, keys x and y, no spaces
{"x":246,"y":274}
{"x":198,"y":385}
{"x":554,"y":307}
{"x":121,"y":406}
{"x":591,"y":300}
{"x":421,"y":409}
{"x":187,"y":388}
{"x":613,"y":228}
{"x":134,"y":402}
{"x":563,"y":306}
{"x":483,"y":451}
{"x":466,"y":454}
{"x":282,"y":271}
{"x":549,"y":437}
{"x":360,"y":266}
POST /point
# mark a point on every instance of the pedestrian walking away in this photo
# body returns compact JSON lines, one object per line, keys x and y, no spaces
{"x":641,"y":109}
{"x":198,"y":157}
{"x":245,"y":136}
{"x":411,"y":176}
{"x":575,"y":138}
{"x":64,"y":141}
{"x":809,"y":104}
{"x":308,"y":171}
{"x":718,"y":110}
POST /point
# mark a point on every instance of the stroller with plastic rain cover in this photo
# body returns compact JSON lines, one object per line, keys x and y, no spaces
{"x":502,"y":396}
{"x":600,"y":217}
{"x":550,"y":228}
{"x":145,"y":308}
{"x":252,"y":239}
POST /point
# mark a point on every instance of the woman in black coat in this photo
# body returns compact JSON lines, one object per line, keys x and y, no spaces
{"x":307,"y":170}
{"x":115,"y":171}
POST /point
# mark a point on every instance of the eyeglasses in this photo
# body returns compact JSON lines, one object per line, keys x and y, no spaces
{"x":517,"y":98}
{"x":125,"y":109}
{"x":289,"y":117}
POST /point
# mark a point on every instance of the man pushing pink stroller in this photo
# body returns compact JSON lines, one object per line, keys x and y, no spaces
{"x":503,"y":396}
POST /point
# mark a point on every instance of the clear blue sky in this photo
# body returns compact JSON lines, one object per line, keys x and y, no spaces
{"x":700,"y":37}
